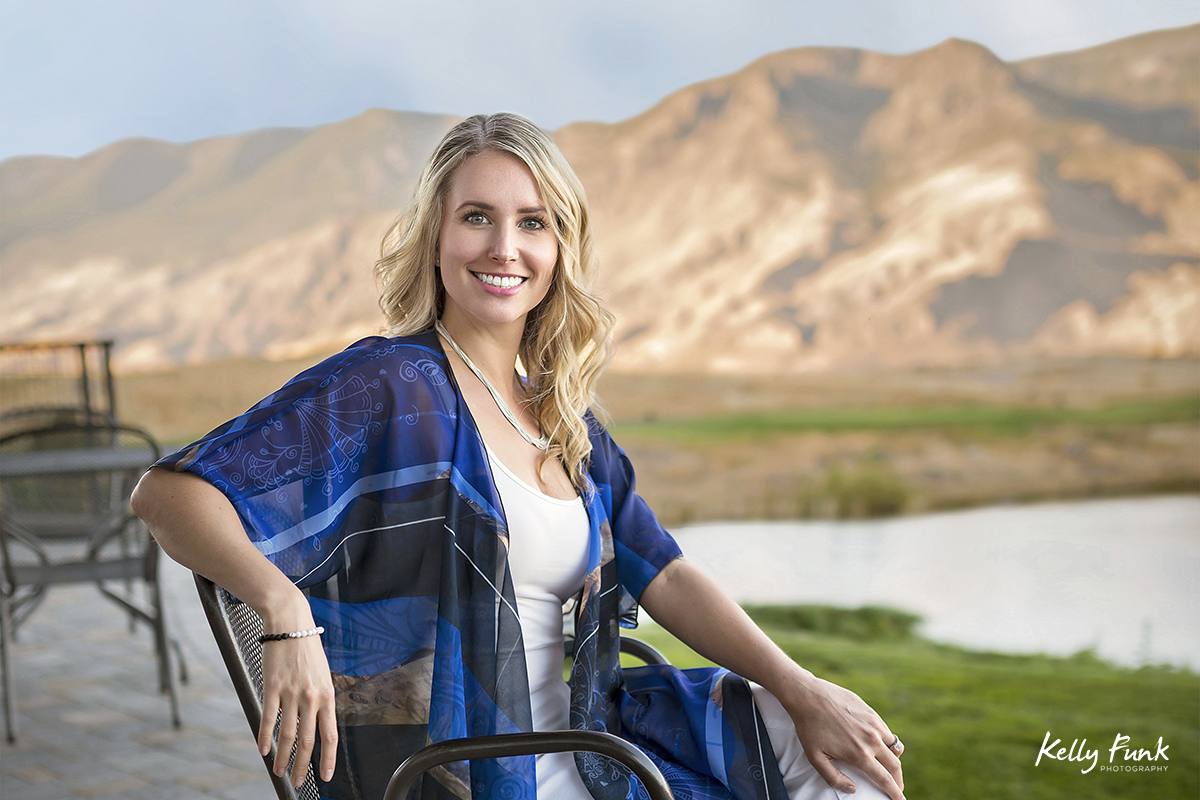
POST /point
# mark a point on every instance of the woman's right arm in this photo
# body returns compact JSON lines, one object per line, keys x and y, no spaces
{"x":196,"y":525}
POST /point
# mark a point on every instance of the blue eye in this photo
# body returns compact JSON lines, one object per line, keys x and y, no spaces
{"x":534,"y":223}
{"x":475,"y":217}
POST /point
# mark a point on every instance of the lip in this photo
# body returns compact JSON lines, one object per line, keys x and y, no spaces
{"x":500,"y":291}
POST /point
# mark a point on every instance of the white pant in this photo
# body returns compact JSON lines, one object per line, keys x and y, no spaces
{"x":799,"y":777}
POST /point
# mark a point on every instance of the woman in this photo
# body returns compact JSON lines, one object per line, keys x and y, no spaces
{"x":432,"y":510}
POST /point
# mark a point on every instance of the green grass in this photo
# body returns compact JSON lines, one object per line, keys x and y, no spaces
{"x":973,"y":722}
{"x":1001,"y":420}
{"x":869,"y":623}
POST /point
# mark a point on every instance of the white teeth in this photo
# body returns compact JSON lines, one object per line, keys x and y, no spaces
{"x":505,"y":282}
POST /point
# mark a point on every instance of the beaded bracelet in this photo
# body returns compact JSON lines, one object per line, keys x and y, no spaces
{"x":277,"y":637}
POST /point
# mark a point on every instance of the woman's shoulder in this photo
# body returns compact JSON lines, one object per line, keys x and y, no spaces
{"x":415,"y":360}
{"x":371,"y":380}
{"x":373,"y":374}
{"x":415,"y":349}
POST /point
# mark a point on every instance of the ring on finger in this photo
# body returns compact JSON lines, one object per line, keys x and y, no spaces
{"x":897,"y":746}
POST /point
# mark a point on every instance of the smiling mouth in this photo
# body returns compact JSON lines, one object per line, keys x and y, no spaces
{"x":499,"y":281}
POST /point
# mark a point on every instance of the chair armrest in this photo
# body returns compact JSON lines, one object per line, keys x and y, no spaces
{"x":524,"y":744}
{"x":646,"y":653}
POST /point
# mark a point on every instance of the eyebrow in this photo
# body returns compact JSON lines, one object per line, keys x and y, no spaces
{"x":489,"y":207}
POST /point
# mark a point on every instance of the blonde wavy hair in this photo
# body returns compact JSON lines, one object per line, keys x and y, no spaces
{"x":567,"y":341}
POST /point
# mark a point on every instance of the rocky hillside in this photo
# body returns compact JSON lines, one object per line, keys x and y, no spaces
{"x":820,"y":207}
{"x":253,"y":245}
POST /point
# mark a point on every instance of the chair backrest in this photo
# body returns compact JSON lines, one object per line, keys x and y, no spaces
{"x":55,"y":377}
{"x":237,"y":627}
{"x":64,"y":502}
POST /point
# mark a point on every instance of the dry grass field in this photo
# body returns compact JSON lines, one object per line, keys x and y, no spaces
{"x":879,"y":443}
{"x":855,"y":444}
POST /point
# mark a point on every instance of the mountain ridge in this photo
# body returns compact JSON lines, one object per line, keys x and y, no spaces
{"x":819,"y":207}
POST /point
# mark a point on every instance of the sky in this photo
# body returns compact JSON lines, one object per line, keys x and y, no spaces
{"x":76,"y":75}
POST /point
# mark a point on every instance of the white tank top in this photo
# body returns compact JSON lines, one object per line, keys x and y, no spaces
{"x":548,"y":549}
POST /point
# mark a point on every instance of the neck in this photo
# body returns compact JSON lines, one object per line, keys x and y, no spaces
{"x":493,"y":350}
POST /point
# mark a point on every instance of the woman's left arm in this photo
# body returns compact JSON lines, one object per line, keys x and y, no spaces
{"x":832,"y":722}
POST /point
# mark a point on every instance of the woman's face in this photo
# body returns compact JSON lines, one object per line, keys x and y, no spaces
{"x":496,"y":249}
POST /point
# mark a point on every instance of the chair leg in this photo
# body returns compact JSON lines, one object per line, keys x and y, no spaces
{"x":10,"y":694}
{"x":21,"y":606}
{"x":162,"y":646}
{"x":180,"y":662}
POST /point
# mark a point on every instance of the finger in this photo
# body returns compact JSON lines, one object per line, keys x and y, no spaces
{"x":832,"y":775}
{"x":305,"y":740}
{"x":883,"y":778}
{"x":828,"y":768}
{"x":287,"y":737}
{"x":890,"y":759}
{"x":327,"y":718}
{"x":891,"y":764}
{"x":266,"y":726}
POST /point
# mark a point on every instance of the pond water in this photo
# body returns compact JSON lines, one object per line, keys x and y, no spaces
{"x":1121,"y":576}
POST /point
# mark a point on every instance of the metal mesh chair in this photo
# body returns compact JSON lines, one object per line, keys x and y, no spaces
{"x":65,"y":518}
{"x":237,"y":627}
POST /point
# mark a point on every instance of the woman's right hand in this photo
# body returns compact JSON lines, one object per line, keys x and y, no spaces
{"x":196,"y":525}
{"x":297,"y":684}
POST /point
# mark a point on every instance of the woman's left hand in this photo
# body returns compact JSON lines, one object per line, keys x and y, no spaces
{"x":834,"y":723}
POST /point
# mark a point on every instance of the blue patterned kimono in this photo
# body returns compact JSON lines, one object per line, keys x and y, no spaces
{"x":365,"y":481}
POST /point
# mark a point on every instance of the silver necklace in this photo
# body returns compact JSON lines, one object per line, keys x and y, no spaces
{"x":542,"y":443}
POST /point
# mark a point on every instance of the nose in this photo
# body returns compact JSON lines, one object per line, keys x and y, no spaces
{"x":504,"y":246}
